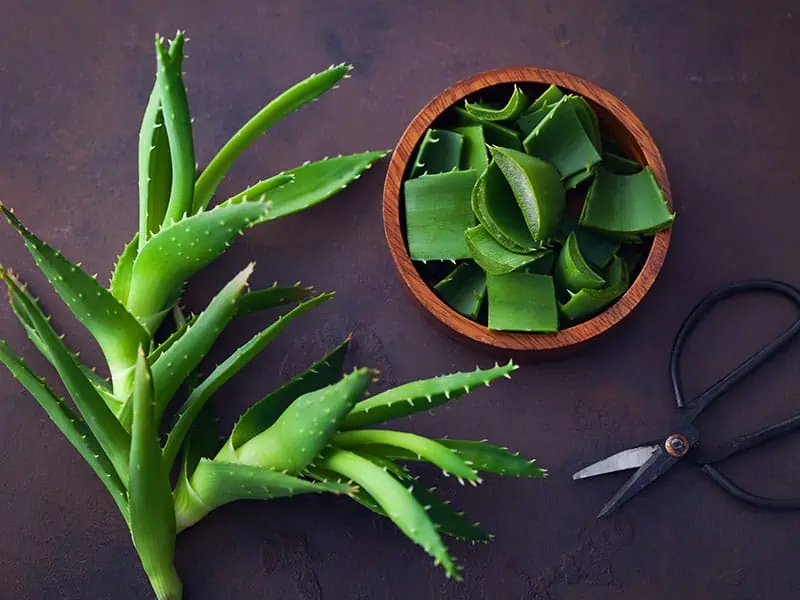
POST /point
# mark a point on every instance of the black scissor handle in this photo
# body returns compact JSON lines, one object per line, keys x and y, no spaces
{"x":696,"y":406}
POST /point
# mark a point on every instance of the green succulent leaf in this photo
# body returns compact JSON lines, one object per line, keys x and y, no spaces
{"x":418,"y":396}
{"x":395,"y":500}
{"x":152,"y":514}
{"x":516,"y":105}
{"x":277,"y":295}
{"x":488,"y":458}
{"x":121,"y":276}
{"x":70,"y":424}
{"x":301,"y":93}
{"x":232,"y":365}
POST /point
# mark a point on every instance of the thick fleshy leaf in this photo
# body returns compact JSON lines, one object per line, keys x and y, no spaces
{"x":464,"y":289}
{"x":573,"y":271}
{"x":121,"y":276}
{"x":488,"y":458}
{"x":495,"y":258}
{"x":516,"y":105}
{"x":70,"y":424}
{"x":522,"y":302}
{"x":421,"y":395}
{"x":494,"y":133}
{"x":277,"y":295}
{"x":301,"y":93}
{"x":439,"y":152}
{"x":587,"y":302}
{"x":474,"y":154}
{"x":115,"y":329}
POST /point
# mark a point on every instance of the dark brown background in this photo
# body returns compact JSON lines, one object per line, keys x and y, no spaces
{"x":716,"y":83}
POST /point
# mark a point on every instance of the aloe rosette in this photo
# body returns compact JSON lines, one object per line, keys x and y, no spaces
{"x":315,"y":434}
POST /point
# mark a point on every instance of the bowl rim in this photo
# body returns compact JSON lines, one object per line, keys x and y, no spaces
{"x":424,"y":294}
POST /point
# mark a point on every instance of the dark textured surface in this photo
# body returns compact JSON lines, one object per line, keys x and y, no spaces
{"x":716,"y":83}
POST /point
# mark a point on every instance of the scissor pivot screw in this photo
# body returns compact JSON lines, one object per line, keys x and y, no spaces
{"x":677,"y":445}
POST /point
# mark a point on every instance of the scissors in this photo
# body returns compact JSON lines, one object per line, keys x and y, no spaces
{"x":654,"y":459}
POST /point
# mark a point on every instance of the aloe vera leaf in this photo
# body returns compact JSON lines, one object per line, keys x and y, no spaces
{"x":359,"y":495}
{"x":587,"y":302}
{"x":494,"y":133}
{"x":588,"y":118}
{"x":317,"y":181}
{"x":417,"y":396}
{"x":152,"y":515}
{"x":123,"y":269}
{"x":447,"y":520}
{"x":561,"y":141}
{"x":573,"y":271}
{"x":178,"y":126}
{"x":537,"y":189}
{"x":548,"y":97}
{"x":494,"y":258}
{"x":180,"y":359}
{"x":257,"y":190}
{"x":529,"y":121}
{"x":489,"y":458}
{"x":227,"y":369}
{"x":626,"y":204}
{"x":515,"y":106}
{"x":598,"y":249}
{"x":433,"y":452}
{"x":70,"y":424}
{"x":265,"y":412}
{"x":493,"y":203}
{"x":290,"y":100}
{"x":438,"y":212}
{"x":396,"y":501}
{"x":439,"y":152}
{"x":271,"y":297}
{"x":303,"y":430}
{"x":179,"y":250}
{"x":111,"y":436}
{"x":473,"y":154}
{"x":464,"y":289}
{"x":116,"y":330}
{"x":522,"y":302}
{"x":620,"y":165}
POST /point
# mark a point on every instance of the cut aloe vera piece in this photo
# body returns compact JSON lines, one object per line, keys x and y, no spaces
{"x":493,"y":132}
{"x":573,"y":271}
{"x":438,"y":212}
{"x":537,"y":189}
{"x":621,"y":205}
{"x":528,"y":122}
{"x":439,"y":152}
{"x":598,"y":249}
{"x":473,"y":154}
{"x":496,"y":209}
{"x":578,"y":178}
{"x":522,"y":302}
{"x":550,"y":96}
{"x":588,"y":118}
{"x":620,"y":165}
{"x":561,"y":140}
{"x":586,"y":302}
{"x":515,"y":106}
{"x":494,"y":258}
{"x":464,"y":289}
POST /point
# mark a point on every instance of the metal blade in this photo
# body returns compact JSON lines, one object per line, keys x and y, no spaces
{"x":658,"y":464}
{"x":632,"y":458}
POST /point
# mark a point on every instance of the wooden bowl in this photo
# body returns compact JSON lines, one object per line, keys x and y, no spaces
{"x":617,"y":121}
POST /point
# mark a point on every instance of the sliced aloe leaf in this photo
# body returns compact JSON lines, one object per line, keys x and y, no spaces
{"x":222,"y":374}
{"x":620,"y":165}
{"x":561,"y":140}
{"x":277,"y":295}
{"x":395,"y":500}
{"x":573,"y":271}
{"x":522,"y":302}
{"x":626,"y":204}
{"x":578,"y":178}
{"x":598,"y":249}
{"x":494,"y":133}
{"x":438,"y":212}
{"x":586,"y":302}
{"x":515,"y":106}
{"x":439,"y":152}
{"x":588,"y":118}
{"x":537,"y":189}
{"x":464,"y":289}
{"x":473,"y":154}
{"x":178,"y":251}
{"x":529,"y":121}
{"x":494,"y":258}
{"x":315,"y":182}
{"x":433,"y":452}
{"x":494,"y":205}
{"x":70,"y":424}
{"x":263,"y":414}
{"x":418,"y":396}
{"x":550,"y":96}
{"x":296,"y":96}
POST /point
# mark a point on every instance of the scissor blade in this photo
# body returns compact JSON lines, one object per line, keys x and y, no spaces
{"x":632,"y":458}
{"x":658,"y":464}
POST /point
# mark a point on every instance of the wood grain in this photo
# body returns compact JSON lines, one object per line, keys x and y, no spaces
{"x":617,"y":121}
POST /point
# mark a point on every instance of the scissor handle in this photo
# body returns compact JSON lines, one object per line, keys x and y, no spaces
{"x":696,"y":406}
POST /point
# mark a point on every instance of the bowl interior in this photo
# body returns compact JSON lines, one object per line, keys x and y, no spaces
{"x":617,"y":123}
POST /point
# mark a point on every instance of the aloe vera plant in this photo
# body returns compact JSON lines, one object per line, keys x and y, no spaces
{"x":315,"y":434}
